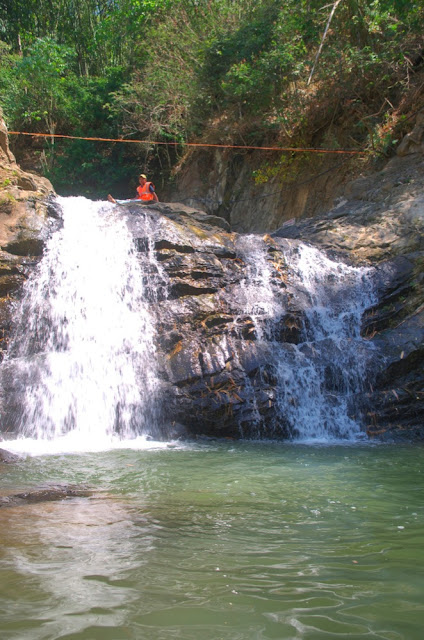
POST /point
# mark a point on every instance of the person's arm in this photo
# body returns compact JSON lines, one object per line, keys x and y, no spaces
{"x":153,"y":192}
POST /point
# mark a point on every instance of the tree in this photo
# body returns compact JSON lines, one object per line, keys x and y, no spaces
{"x":42,"y":87}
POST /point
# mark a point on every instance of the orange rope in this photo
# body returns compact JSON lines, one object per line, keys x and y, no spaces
{"x":192,"y":144}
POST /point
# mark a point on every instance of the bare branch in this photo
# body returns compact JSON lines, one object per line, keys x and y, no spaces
{"x":330,"y":17}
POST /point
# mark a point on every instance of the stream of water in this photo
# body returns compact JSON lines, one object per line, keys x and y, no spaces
{"x":320,"y":378}
{"x":214,"y":540}
{"x":82,"y":361}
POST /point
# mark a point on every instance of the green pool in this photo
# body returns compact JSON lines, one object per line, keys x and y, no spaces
{"x":217,"y":541}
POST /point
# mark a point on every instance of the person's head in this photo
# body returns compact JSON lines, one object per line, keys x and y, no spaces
{"x":142,"y":178}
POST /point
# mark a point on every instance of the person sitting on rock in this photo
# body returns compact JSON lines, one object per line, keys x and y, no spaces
{"x":145,"y":192}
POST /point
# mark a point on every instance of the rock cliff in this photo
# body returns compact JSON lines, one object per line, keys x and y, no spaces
{"x":228,"y":184}
{"x":24,"y":226}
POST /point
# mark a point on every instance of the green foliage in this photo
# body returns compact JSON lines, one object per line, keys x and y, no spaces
{"x":223,"y":70}
{"x":6,"y":198}
{"x":251,"y":65}
{"x":40,"y":93}
{"x":101,"y":32}
{"x":286,"y":168}
{"x":79,"y":166}
{"x":86,"y":168}
{"x":8,"y":80}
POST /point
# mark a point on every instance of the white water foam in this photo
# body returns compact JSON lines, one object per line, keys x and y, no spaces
{"x":83,"y":357}
{"x":255,"y":295}
{"x":321,"y":378}
{"x":317,"y":380}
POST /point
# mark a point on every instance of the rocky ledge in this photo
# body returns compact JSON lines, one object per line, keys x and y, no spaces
{"x":219,"y":357}
{"x":219,"y":378}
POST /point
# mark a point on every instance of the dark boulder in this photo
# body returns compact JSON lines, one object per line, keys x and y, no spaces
{"x":44,"y":494}
{"x":7,"y":457}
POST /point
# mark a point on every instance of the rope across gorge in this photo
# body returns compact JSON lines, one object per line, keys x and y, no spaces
{"x":196,"y":144}
{"x":346,"y":152}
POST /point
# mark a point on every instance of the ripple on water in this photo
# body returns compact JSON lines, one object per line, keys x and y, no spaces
{"x":242,"y":541}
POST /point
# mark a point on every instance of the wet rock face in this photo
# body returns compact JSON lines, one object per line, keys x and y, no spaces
{"x":220,"y":376}
{"x":396,"y":327}
{"x":217,"y":351}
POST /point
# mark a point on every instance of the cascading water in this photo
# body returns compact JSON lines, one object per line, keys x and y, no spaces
{"x":82,"y":367}
{"x":256,"y":295}
{"x":82,"y":359}
{"x":319,"y":379}
{"x":319,"y":393}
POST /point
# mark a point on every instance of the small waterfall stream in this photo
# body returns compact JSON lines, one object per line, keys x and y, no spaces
{"x":82,"y":359}
{"x":321,"y":377}
{"x":318,"y":379}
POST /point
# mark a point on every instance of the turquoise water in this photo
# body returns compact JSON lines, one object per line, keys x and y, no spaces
{"x":218,"y":541}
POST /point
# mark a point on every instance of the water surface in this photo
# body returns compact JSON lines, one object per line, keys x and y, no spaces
{"x":217,"y":541}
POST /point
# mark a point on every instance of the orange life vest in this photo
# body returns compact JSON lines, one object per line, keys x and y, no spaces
{"x":144,"y":192}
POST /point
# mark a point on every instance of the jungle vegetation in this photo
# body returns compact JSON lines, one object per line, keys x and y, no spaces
{"x":293,"y":72}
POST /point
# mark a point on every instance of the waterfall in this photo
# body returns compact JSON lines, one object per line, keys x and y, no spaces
{"x":82,"y":368}
{"x":319,"y":378}
{"x":320,"y":392}
{"x":256,"y":296}
{"x":82,"y":359}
